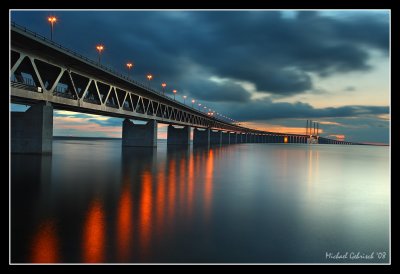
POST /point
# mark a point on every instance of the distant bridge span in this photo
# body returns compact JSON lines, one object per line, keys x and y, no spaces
{"x":46,"y":75}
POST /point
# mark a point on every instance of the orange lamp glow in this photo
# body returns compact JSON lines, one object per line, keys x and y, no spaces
{"x":163,"y":85}
{"x":129,"y":65}
{"x":100,"y":48}
{"x":149,"y":76}
{"x":52,"y":19}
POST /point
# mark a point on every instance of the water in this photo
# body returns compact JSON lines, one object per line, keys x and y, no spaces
{"x":92,"y":201}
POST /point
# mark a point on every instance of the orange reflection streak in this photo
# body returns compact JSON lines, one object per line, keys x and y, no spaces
{"x":45,"y":244}
{"x":94,"y":234}
{"x":171,"y":189}
{"x":182,"y":177}
{"x":124,"y":223}
{"x":208,"y":182}
{"x":160,"y":196}
{"x":145,"y":211}
{"x":190,"y":185}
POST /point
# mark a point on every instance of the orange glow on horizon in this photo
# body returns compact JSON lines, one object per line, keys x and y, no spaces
{"x":94,"y":234}
{"x":45,"y":244}
{"x":340,"y":137}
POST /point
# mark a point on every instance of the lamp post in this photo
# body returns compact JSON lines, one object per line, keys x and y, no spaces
{"x":163,"y":85}
{"x":174,"y":91}
{"x":149,"y":77}
{"x":52,"y":20}
{"x":184,"y":99}
{"x":193,"y":102}
{"x":129,"y":65}
{"x":100,"y":49}
{"x":199,"y":106}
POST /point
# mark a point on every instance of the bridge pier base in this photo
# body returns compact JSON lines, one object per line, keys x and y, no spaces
{"x":225,"y":138}
{"x":232,"y":137}
{"x":178,"y":136}
{"x":139,"y":135}
{"x":201,"y":137}
{"x":215,"y":137}
{"x":32,"y":131}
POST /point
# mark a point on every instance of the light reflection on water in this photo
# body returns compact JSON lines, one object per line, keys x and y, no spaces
{"x":92,"y":201}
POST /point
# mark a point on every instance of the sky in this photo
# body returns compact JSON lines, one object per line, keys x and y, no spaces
{"x":269,"y":70}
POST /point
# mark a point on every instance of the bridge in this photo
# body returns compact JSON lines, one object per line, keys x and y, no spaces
{"x":47,"y":76}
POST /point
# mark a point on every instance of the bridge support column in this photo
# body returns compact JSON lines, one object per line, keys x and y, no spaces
{"x":232,"y":137}
{"x":215,"y":137}
{"x":178,"y":136}
{"x":32,"y":131}
{"x":225,"y":138}
{"x":139,"y":135}
{"x":201,"y":137}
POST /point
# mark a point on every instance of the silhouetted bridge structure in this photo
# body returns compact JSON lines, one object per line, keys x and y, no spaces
{"x":47,"y":76}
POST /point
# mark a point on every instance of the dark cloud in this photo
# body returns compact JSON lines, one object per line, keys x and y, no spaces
{"x":262,"y":47}
{"x":266,"y":109}
{"x":219,"y":92}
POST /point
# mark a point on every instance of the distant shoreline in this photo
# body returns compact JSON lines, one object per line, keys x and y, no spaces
{"x":83,"y":138}
{"x":87,"y":138}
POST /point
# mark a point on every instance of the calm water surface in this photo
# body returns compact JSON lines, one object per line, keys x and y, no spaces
{"x":92,"y":201}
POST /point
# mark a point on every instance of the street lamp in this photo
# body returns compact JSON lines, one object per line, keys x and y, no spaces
{"x":163,"y":85}
{"x":199,"y":106}
{"x":149,"y":77}
{"x":100,"y":48}
{"x":52,"y":20}
{"x":174,"y":91}
{"x":184,"y":99}
{"x":193,"y":102}
{"x":129,"y":65}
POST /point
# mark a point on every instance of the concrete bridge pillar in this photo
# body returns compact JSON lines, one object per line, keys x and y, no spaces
{"x":239,"y":138}
{"x":139,"y":135}
{"x":32,"y":131}
{"x":232,"y":137}
{"x":251,"y":138}
{"x":225,"y":138}
{"x":215,"y":137}
{"x":201,"y":137}
{"x":178,"y":136}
